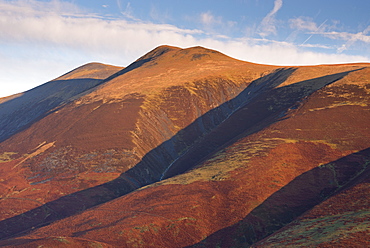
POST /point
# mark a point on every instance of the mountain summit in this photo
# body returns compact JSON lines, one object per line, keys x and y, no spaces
{"x":188,"y":147}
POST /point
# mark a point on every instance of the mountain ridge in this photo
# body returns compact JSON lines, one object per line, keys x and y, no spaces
{"x":198,"y":138}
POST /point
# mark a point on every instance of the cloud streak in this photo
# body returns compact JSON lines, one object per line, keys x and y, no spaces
{"x":308,"y":25}
{"x":268,"y":24}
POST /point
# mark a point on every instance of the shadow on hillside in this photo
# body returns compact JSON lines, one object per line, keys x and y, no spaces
{"x":21,"y":112}
{"x":257,"y":107}
{"x":297,"y":197}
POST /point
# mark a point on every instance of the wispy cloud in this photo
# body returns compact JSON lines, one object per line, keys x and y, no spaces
{"x":314,"y":45}
{"x":159,"y":15}
{"x":268,"y":24}
{"x":306,"y":24}
{"x":127,"y":12}
{"x":317,"y":29}
{"x":349,"y":38}
{"x":211,"y":23}
{"x":208,"y":19}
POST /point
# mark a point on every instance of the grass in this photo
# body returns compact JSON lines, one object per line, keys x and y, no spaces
{"x":319,"y":230}
{"x":62,"y":239}
{"x":6,"y":156}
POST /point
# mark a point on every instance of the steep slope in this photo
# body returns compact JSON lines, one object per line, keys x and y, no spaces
{"x":108,"y":130}
{"x":319,"y":149}
{"x":259,"y":146}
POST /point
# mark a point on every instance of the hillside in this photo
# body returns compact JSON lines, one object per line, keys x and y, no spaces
{"x":19,"y":111}
{"x":187,"y":147}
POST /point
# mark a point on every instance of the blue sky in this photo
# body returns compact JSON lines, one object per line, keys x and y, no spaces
{"x":40,"y":40}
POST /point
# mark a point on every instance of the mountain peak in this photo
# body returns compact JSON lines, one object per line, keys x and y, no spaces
{"x":167,"y":66}
{"x":158,"y":51}
{"x":163,"y":57}
{"x":170,"y":53}
{"x":91,"y":70}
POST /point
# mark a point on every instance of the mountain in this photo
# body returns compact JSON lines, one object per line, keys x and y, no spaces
{"x":19,"y":111}
{"x":188,"y":147}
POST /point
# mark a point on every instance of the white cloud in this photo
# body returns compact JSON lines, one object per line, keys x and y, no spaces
{"x":303,"y":23}
{"x":42,"y":40}
{"x":91,"y":34}
{"x":268,"y":24}
{"x":208,"y":19}
{"x":280,"y":53}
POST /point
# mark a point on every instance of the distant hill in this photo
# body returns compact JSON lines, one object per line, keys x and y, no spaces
{"x":188,"y":147}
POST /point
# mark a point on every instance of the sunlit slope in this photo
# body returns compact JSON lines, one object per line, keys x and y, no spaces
{"x":91,"y":138}
{"x":282,"y":142}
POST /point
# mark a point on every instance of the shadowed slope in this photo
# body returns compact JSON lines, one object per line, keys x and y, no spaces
{"x":272,"y":132}
{"x":269,"y":105}
{"x":167,"y":215}
{"x":148,"y":170}
{"x":155,"y":164}
{"x":23,"y":109}
{"x":285,"y":205}
{"x":340,"y":221}
{"x":110,"y":128}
